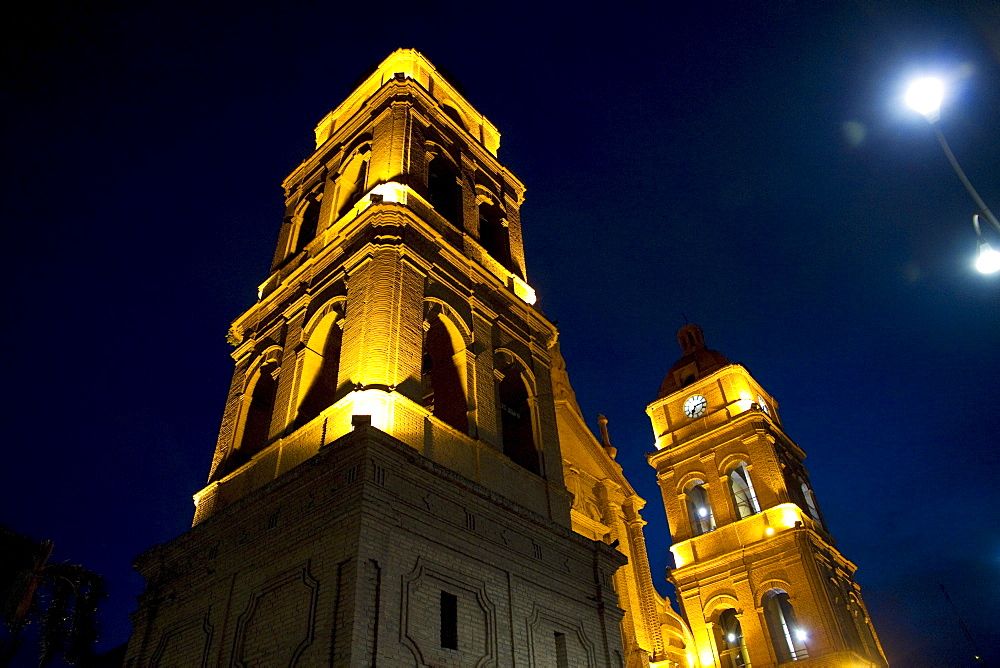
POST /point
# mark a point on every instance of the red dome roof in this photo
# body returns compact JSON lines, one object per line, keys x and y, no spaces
{"x":695,"y":352}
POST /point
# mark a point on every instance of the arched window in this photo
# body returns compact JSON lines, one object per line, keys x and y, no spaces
{"x":699,"y":509}
{"x":443,"y":188}
{"x":452,"y":113}
{"x":320,"y":368}
{"x":840,"y":602}
{"x":308,"y":223}
{"x":443,"y":372}
{"x":352,"y":181}
{"x":732,"y":646}
{"x":516,"y":428}
{"x":799,"y":490}
{"x":741,"y":489}
{"x":807,"y":495}
{"x":787,"y":637}
{"x":258,"y":410}
{"x":494,"y":236}
{"x":864,"y":628}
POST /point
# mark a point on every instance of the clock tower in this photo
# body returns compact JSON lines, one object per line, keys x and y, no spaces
{"x":756,"y":569}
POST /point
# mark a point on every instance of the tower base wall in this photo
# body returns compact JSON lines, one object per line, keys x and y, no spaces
{"x":353,"y":558}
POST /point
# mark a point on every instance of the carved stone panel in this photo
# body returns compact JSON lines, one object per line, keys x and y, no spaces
{"x":184,"y":645}
{"x":421,"y":618}
{"x":278,"y":623}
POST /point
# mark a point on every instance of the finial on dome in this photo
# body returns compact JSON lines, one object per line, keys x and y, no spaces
{"x":696,"y":360}
{"x":691,"y":338}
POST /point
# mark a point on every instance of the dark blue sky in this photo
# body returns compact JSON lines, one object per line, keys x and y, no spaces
{"x":749,"y":165}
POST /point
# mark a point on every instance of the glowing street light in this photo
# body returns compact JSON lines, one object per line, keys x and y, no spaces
{"x":988,"y":260}
{"x":924,"y":96}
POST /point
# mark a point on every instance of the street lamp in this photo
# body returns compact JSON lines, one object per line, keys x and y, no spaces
{"x":924,"y":96}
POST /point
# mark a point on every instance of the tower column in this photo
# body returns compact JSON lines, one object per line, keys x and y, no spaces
{"x":382,"y":338}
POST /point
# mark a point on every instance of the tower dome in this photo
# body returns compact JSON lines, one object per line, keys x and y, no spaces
{"x":697,"y":360}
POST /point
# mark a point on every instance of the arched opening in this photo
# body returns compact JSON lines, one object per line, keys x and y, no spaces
{"x":452,"y":113}
{"x":443,"y":188}
{"x":494,"y":236}
{"x":516,"y":428}
{"x":807,"y":495}
{"x":308,"y":223}
{"x":443,"y":377}
{"x":799,"y":491}
{"x":351,"y":183}
{"x":699,"y":508}
{"x":869,"y":646}
{"x":845,"y":615}
{"x":741,"y":488}
{"x":787,"y":638}
{"x":256,"y":418}
{"x":730,"y":641}
{"x":320,"y":368}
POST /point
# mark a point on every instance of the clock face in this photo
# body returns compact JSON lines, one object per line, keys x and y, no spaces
{"x":695,"y":406}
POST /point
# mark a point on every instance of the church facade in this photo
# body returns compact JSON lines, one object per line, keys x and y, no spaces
{"x":403,"y":476}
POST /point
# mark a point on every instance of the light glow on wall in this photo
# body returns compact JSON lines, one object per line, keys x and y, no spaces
{"x":680,"y":561}
{"x":523,"y":290}
{"x":390,"y":192}
{"x":790,"y":515}
{"x":745,"y":402}
{"x":374,"y":403}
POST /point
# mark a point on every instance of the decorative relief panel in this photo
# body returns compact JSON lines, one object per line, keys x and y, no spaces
{"x":278,"y":623}
{"x":420,"y":625}
{"x":550,"y":633}
{"x":184,"y":645}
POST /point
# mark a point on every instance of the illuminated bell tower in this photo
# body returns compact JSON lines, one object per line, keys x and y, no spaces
{"x":397,"y":291}
{"x":756,"y":570}
{"x":387,"y":486}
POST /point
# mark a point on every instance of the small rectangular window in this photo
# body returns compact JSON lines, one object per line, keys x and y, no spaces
{"x":449,"y":620}
{"x":562,"y":658}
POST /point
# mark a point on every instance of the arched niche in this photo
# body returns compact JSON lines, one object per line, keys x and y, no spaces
{"x":788,"y":639}
{"x":307,"y":219}
{"x":444,"y":186}
{"x":253,"y":429}
{"x":730,"y":643}
{"x":517,"y":406}
{"x":444,"y":369}
{"x":741,"y":491}
{"x":699,"y":507}
{"x":494,"y":233}
{"x":351,"y":180}
{"x":320,"y":362}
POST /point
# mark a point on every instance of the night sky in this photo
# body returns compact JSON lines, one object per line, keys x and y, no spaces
{"x":750,"y":167}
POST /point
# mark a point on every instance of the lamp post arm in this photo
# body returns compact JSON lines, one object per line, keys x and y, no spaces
{"x":965,"y":180}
